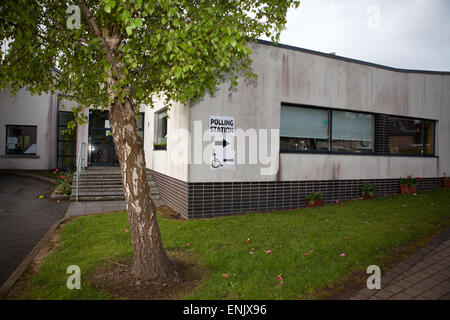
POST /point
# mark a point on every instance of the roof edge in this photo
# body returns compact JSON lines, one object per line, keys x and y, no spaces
{"x":332,"y":56}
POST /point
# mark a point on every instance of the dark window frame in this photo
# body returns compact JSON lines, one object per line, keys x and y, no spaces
{"x":60,"y":156}
{"x":156,"y":145}
{"x":142,"y":114}
{"x":6,"y":138}
{"x":373,"y":153}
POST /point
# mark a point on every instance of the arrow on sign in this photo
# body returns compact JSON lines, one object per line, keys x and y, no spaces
{"x":223,"y":143}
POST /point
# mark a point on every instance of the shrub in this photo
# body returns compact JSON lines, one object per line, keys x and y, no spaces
{"x":410,"y":181}
{"x":64,"y":185}
{"x":314,"y":196}
{"x":367,"y":189}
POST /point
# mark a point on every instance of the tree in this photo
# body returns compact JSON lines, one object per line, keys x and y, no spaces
{"x":117,"y":55}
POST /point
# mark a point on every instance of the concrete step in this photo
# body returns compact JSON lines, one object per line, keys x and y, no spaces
{"x":114,"y":189}
{"x":103,"y":184}
{"x":107,"y":197}
{"x":89,"y":185}
{"x":87,"y":174}
{"x":97,"y":198}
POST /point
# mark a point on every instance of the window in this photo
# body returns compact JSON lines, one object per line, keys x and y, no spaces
{"x":140,"y":124}
{"x":352,"y":132}
{"x":304,"y":129}
{"x":429,"y":137}
{"x":161,"y":130}
{"x":314,"y":129}
{"x":21,"y":139}
{"x":308,"y":129}
{"x":67,"y":141}
{"x":411,"y":136}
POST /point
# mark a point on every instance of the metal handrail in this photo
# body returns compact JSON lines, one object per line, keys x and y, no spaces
{"x":80,"y":166}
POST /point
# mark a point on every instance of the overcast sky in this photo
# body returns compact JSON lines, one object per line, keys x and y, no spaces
{"x":412,"y":34}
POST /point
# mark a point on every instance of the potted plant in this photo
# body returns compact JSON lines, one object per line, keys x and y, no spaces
{"x":367,"y":190}
{"x":446,"y":181}
{"x":315,"y":199}
{"x":160,"y":146}
{"x":409,"y":184}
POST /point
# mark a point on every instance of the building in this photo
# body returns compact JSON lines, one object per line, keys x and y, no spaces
{"x":311,"y":122}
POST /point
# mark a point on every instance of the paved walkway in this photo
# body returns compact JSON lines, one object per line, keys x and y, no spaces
{"x":24,"y":218}
{"x":91,"y":207}
{"x":425,"y":275}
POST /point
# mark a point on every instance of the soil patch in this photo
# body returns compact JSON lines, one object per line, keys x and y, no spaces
{"x":115,"y":278}
{"x":168,"y":213}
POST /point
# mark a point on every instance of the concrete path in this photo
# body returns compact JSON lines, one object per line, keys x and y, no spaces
{"x":425,"y":275}
{"x":82,"y":208}
{"x":24,"y":218}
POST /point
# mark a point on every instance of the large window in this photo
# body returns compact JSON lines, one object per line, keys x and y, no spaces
{"x":308,"y":129}
{"x":304,"y":129}
{"x":411,"y":136}
{"x":67,"y":141}
{"x":352,"y":132}
{"x":21,"y":139}
{"x":160,"y":142}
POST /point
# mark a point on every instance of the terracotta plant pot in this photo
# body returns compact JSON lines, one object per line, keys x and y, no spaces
{"x":406,"y":189}
{"x":367,"y":196}
{"x":317,"y":203}
{"x":447,"y":182}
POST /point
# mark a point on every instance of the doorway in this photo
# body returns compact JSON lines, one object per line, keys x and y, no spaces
{"x":101,"y":146}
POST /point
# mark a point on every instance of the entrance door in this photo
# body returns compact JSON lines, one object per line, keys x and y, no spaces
{"x":101,"y":146}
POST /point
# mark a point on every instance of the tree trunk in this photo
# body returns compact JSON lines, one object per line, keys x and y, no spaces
{"x":150,"y":261}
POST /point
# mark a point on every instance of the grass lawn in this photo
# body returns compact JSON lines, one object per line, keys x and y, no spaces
{"x":307,"y":247}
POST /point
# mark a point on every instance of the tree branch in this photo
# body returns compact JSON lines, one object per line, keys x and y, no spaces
{"x":98,"y":33}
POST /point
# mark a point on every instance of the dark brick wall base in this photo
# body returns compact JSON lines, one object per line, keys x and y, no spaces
{"x":204,"y":200}
{"x":173,"y":192}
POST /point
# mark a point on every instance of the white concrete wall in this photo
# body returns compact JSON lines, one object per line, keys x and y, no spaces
{"x":25,"y":109}
{"x":173,"y":161}
{"x":292,"y":76}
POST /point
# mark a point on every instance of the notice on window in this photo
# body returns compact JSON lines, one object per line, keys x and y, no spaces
{"x":12,"y":140}
{"x":223,"y":155}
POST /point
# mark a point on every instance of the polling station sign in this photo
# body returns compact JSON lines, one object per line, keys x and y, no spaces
{"x":221,"y":124}
{"x":222,"y":154}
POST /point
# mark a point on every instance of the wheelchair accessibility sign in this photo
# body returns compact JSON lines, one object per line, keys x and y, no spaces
{"x":222,"y":154}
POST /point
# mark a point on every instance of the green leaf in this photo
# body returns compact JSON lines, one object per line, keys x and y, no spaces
{"x":129,"y":30}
